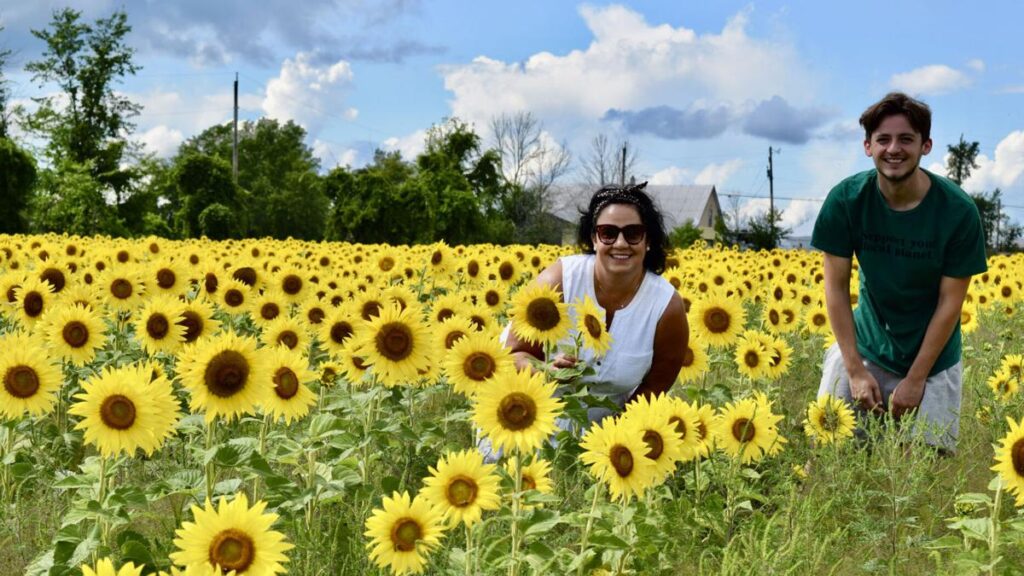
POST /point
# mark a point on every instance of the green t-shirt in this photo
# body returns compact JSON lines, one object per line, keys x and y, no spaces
{"x":903,"y":256}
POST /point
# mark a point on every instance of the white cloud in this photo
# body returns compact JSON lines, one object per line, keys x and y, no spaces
{"x":718,"y":174}
{"x":671,"y":175}
{"x":798,"y":214}
{"x":1013,"y":90}
{"x":753,"y":208}
{"x":631,"y":64}
{"x":332,"y":155}
{"x":978,"y":65}
{"x":1004,"y":170}
{"x":188,"y":113}
{"x":933,"y":79}
{"x":307,"y":93}
{"x":410,"y":145}
{"x":161,"y":140}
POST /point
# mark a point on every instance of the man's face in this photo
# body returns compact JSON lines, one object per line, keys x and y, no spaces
{"x":896,"y":148}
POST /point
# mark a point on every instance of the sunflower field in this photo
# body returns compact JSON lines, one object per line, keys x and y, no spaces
{"x":264,"y":407}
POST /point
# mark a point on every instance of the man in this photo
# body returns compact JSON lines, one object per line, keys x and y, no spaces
{"x":918,"y":240}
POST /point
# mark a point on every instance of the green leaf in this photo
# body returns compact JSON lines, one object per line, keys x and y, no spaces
{"x":541,"y":521}
{"x":609,"y":541}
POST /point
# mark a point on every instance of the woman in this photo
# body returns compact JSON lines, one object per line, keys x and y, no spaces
{"x":624,"y":250}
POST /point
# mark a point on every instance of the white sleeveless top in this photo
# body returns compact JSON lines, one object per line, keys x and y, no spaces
{"x":627,"y":362}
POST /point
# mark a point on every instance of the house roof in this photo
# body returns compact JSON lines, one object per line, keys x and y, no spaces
{"x":678,"y":203}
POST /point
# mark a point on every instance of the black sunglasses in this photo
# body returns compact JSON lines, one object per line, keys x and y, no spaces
{"x":609,"y":233}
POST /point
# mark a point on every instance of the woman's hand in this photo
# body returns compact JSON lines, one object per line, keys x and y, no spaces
{"x":563,"y":360}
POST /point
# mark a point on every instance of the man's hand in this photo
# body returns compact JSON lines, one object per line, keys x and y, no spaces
{"x":906,"y":396}
{"x":865,"y":391}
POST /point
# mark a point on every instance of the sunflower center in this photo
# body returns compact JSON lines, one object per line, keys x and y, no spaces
{"x":655,"y":444}
{"x":316,"y":315}
{"x":492,"y":298}
{"x":357,"y":361}
{"x":702,"y":430}
{"x":289,"y":339}
{"x":529,"y":483}
{"x":751,"y":359}
{"x":291,"y":285}
{"x":622,"y":460}
{"x":506,"y":270}
{"x":193,"y":324}
{"x":21,"y":382}
{"x":593,"y":326}
{"x":688,"y":357}
{"x":232,"y":550}
{"x":829,"y":420}
{"x":234,"y":298}
{"x":118,"y":412}
{"x":121,"y":289}
{"x":157,"y":326}
{"x":679,"y":425}
{"x":226,"y":374}
{"x":210,"y":283}
{"x":371,"y":309}
{"x":404,"y":534}
{"x":33,"y":304}
{"x":461,"y":491}
{"x":386,"y":263}
{"x":75,"y":334}
{"x":436,"y":258}
{"x":473,"y":268}
{"x":246,"y":275}
{"x":286,"y":383}
{"x":340,"y":331}
{"x":452,"y":337}
{"x":542,"y":314}
{"x":270,"y":310}
{"x":55,"y":277}
{"x":11,"y":296}
{"x":789,"y":316}
{"x":743,"y":430}
{"x":444,"y":314}
{"x":819,"y":320}
{"x":165,"y":278}
{"x":716,"y":320}
{"x":517,"y":411}
{"x":479,"y":366}
{"x":394,"y":341}
{"x":773,"y":317}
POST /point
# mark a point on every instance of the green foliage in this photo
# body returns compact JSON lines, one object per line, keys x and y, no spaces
{"x":87,"y":122}
{"x":69,"y":199}
{"x":17,"y":177}
{"x":5,"y":93}
{"x":961,"y":160}
{"x":200,"y":181}
{"x":763,"y":231}
{"x":684,"y":236}
{"x":218,"y":222}
{"x":1001,"y":235}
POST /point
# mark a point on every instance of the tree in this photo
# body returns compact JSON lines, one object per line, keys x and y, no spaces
{"x":17,"y":177}
{"x":1001,"y":235}
{"x":763,"y":231}
{"x":961,"y":160}
{"x":530,"y":166}
{"x":603,"y":164}
{"x":684,"y":236}
{"x":5,"y":94}
{"x":88,"y":122}
{"x":70,"y":200}
{"x":278,"y":171}
{"x":200,"y":181}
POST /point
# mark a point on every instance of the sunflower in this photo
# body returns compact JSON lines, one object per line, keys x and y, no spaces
{"x":745,"y":429}
{"x":539,"y":316}
{"x":494,"y":296}
{"x":716,"y":320}
{"x":463,"y":486}
{"x":652,"y":417}
{"x":403,"y":532}
{"x":695,"y":363}
{"x":292,"y":283}
{"x":446,"y":306}
{"x":167,"y":277}
{"x":450,"y":331}
{"x":31,"y":381}
{"x":234,"y":296}
{"x":225,"y":376}
{"x":313,"y":311}
{"x":779,"y":355}
{"x":535,"y":476}
{"x":370,"y":304}
{"x":74,"y":332}
{"x":338,"y":327}
{"x":267,"y":307}
{"x":197,"y":320}
{"x":353,"y":364}
{"x":683,"y":417}
{"x":287,"y":332}
{"x":517,"y":410}
{"x":396,"y":345}
{"x":290,"y":372}
{"x":829,"y":420}
{"x":105,"y":567}
{"x":33,"y":298}
{"x":474,"y":360}
{"x":1010,"y":460}
{"x":122,"y":287}
{"x":781,"y":317}
{"x":80,"y":294}
{"x":816,"y":320}
{"x":124,"y":409}
{"x":1013,"y":364}
{"x":590,"y":325}
{"x":233,"y":538}
{"x":158,"y":325}
{"x":615,"y":451}
{"x":751,"y":358}
{"x":401,"y":295}
{"x":1003,"y":385}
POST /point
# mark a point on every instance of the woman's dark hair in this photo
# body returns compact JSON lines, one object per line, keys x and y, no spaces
{"x":635,"y":196}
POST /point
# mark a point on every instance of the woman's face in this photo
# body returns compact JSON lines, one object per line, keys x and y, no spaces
{"x":619,"y":256}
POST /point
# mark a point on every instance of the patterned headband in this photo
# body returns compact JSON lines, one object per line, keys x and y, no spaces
{"x":625,"y":195}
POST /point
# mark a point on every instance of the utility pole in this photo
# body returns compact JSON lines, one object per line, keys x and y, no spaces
{"x":771,"y":196}
{"x":999,"y":216}
{"x":234,"y":144}
{"x":622,"y":174}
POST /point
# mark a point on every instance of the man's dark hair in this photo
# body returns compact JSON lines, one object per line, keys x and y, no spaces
{"x":652,"y":220}
{"x":897,"y":103}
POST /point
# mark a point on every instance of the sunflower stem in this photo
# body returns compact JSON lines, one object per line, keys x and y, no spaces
{"x":103,"y":481}
{"x":513,"y":568}
{"x":209,"y":462}
{"x":264,"y":427}
{"x":469,"y":550}
{"x":590,"y":525}
{"x":10,"y":441}
{"x":994,"y":524}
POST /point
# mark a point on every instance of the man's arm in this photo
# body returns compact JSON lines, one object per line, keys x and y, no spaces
{"x":909,"y":391}
{"x":863,"y":386}
{"x":671,"y":338}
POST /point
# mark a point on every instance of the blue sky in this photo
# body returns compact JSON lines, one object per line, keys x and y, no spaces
{"x":700,"y":89}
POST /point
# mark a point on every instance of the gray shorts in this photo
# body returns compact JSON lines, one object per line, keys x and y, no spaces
{"x":938,"y":417}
